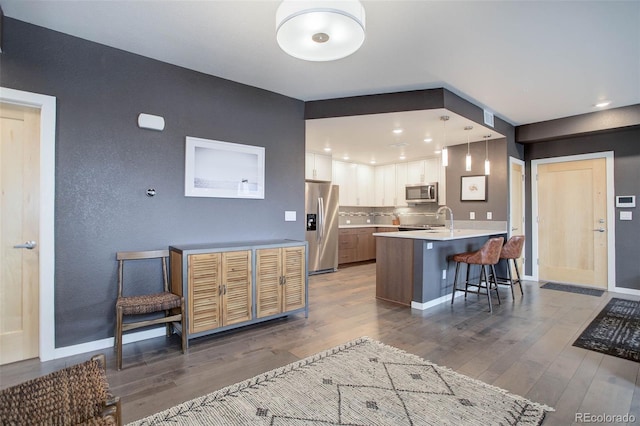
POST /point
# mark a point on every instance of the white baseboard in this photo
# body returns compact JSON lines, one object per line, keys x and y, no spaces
{"x":623,"y":290}
{"x":431,"y":303}
{"x":97,"y":345}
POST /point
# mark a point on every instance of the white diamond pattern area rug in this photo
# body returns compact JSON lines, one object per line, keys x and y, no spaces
{"x":362,"y":382}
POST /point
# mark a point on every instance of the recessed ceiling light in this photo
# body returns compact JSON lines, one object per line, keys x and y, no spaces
{"x":372,"y":162}
{"x":327,"y":149}
{"x":427,"y":140}
{"x":346,"y":157}
{"x":602,"y":104}
{"x":397,"y":131}
{"x":402,"y":157}
{"x":437,"y":151}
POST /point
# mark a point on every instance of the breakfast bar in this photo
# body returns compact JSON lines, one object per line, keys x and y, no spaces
{"x":413,"y":267}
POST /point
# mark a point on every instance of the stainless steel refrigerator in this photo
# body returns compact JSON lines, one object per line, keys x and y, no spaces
{"x":321,"y":213}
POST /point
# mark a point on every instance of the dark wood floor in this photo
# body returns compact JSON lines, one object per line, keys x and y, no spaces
{"x":525,"y":346}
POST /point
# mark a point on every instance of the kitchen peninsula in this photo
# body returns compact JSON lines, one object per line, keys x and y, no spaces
{"x":413,"y":267}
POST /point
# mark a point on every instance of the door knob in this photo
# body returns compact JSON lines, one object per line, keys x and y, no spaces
{"x":29,"y":245}
{"x":599,"y":230}
{"x":514,"y":228}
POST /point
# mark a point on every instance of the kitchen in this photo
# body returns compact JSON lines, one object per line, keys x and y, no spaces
{"x":393,"y":177}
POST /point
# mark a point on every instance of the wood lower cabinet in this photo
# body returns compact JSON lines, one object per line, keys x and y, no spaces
{"x":280,"y":280}
{"x":358,"y":244}
{"x":220,"y":283}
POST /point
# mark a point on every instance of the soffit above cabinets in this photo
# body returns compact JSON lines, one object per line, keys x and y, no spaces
{"x":367,"y":138}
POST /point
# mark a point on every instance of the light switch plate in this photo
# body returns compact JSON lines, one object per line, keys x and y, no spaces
{"x":489,"y":215}
{"x":472,"y":215}
{"x":289,"y":216}
{"x":429,"y":246}
{"x":626,"y":215}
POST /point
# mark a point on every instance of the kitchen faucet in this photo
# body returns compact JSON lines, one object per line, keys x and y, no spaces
{"x":443,"y":208}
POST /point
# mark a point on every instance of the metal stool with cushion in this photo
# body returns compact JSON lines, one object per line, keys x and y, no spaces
{"x":169,"y":303}
{"x":512,"y":250}
{"x":488,"y":255}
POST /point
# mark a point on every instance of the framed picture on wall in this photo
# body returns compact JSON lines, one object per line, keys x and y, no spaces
{"x":223,"y":169}
{"x":473,"y":188}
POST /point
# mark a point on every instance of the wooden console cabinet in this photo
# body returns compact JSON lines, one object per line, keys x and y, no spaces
{"x":220,"y":283}
{"x":280,"y":285}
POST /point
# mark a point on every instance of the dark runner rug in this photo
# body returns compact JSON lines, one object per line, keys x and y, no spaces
{"x":573,"y":289}
{"x":615,"y":331}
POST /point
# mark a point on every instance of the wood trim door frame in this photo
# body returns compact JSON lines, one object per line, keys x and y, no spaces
{"x":47,"y":106}
{"x":513,"y":160}
{"x":611,"y":252}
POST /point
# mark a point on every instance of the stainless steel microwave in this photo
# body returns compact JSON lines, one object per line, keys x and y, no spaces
{"x":422,"y":193}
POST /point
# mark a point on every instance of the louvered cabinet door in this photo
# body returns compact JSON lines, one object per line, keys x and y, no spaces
{"x":294,"y":271}
{"x":236,"y":282}
{"x":268,"y":282}
{"x":204,"y":292}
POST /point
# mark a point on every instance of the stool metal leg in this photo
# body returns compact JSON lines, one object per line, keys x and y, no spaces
{"x":515,"y":265}
{"x":483,"y":273}
{"x":495,"y":282}
{"x":466,"y":282}
{"x":455,"y":282}
{"x":510,"y":278}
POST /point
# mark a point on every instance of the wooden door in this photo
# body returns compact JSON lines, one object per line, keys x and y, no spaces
{"x":268,"y":282}
{"x":572,"y":222}
{"x":516,"y":206}
{"x":293,"y":270}
{"x":19,"y":223}
{"x":205,"y":278}
{"x":236,"y":282}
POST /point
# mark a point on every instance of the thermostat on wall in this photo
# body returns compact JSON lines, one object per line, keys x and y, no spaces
{"x":625,"y":201}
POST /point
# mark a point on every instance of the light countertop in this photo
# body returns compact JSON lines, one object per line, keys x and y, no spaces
{"x":367,"y":225}
{"x":441,"y":234}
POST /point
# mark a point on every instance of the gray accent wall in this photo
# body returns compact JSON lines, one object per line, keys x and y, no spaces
{"x":105,"y":163}
{"x":497,"y":182}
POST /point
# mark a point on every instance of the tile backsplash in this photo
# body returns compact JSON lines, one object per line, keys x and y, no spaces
{"x":414,"y":215}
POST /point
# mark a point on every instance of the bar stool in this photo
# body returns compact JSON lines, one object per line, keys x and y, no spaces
{"x":488,"y":255}
{"x":512,"y":250}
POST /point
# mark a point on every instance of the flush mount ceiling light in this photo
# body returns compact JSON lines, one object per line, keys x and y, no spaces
{"x":320,"y":30}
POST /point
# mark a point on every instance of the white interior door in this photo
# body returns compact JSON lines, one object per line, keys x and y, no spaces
{"x":19,"y":232}
{"x":573,"y":222}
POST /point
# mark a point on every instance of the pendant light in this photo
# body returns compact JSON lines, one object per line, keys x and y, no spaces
{"x":468,"y":157}
{"x":487,"y":165}
{"x":320,"y":30}
{"x":445,"y":151}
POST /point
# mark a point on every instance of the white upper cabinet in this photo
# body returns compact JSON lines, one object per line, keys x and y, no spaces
{"x":365,"y":188}
{"x":415,"y":172}
{"x":318,"y":167}
{"x":401,"y":182}
{"x":356,"y":183}
{"x":385,"y":185}
{"x":431,"y":170}
{"x":344,"y":176}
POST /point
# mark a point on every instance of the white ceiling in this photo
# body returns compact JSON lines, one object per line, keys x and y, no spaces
{"x":526,"y":61}
{"x":367,"y":138}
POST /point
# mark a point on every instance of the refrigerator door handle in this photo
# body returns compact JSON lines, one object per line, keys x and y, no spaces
{"x":320,"y":233}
